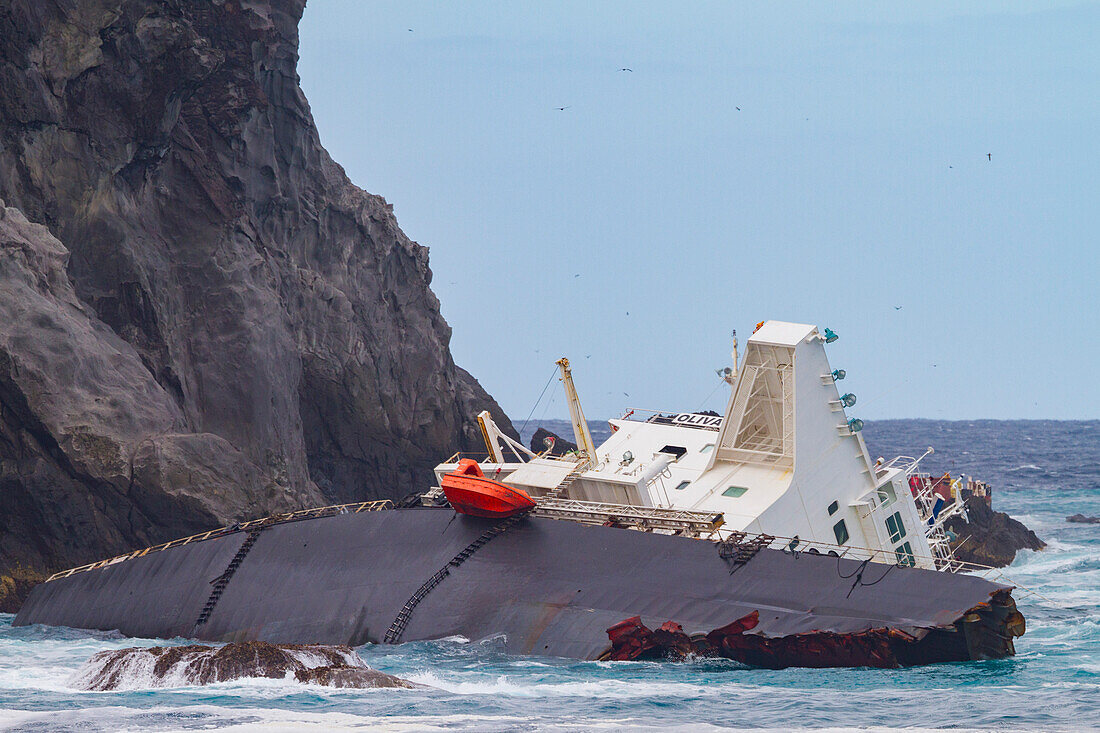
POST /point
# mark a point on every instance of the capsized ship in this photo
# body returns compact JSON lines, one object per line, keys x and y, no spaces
{"x":765,"y":535}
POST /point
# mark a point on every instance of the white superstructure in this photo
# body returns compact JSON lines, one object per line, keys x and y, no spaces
{"x":784,"y":460}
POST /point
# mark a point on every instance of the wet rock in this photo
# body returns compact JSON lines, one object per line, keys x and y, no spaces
{"x":343,"y":675}
{"x":990,"y":537}
{"x":1082,"y":519}
{"x":174,"y":666}
{"x":201,"y":319}
{"x":561,"y":446}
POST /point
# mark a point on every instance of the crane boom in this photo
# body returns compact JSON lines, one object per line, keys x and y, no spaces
{"x":576,"y":414}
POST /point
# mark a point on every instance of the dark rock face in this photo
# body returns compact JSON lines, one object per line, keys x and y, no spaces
{"x":990,"y":537}
{"x":561,"y":445}
{"x":201,"y":318}
{"x":174,"y":666}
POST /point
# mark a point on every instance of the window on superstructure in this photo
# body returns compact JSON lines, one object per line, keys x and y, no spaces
{"x":833,"y":508}
{"x":840,"y":531}
{"x":682,"y":485}
{"x":905,"y":555}
{"x":707,"y":448}
{"x":895,"y":527}
{"x":734,"y":491}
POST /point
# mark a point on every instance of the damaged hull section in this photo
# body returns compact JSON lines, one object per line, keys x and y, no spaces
{"x":985,"y":632}
{"x":550,"y":587}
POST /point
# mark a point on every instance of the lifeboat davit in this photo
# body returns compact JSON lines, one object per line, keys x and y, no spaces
{"x":469,"y":492}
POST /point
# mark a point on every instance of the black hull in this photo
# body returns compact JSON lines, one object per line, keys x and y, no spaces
{"x":551,"y":587}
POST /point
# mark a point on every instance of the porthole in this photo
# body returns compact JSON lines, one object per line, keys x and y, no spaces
{"x":840,"y":531}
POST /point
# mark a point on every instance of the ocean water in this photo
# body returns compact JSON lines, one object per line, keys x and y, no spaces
{"x":1041,"y":473}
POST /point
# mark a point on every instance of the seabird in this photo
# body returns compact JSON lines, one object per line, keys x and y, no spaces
{"x":625,"y":69}
{"x":560,"y":109}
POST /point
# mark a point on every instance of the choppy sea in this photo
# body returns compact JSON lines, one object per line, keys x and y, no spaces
{"x":1041,"y":473}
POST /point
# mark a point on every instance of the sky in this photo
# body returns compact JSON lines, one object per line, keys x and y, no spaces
{"x":923,"y":178}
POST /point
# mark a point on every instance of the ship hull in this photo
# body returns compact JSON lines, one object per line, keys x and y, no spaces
{"x":550,"y":587}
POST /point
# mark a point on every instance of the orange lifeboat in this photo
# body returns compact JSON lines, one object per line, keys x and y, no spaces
{"x":469,"y":492}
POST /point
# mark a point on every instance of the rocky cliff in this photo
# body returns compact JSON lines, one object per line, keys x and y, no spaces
{"x":201,"y":318}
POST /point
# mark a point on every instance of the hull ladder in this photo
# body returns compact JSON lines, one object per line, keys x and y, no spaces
{"x":397,"y":628}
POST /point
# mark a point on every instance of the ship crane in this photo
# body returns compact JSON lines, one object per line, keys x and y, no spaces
{"x":576,"y":414}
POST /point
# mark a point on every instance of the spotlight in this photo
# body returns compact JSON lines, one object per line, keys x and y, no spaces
{"x":838,"y":374}
{"x":855,"y":425}
{"x":830,"y":336}
{"x":848,"y":400}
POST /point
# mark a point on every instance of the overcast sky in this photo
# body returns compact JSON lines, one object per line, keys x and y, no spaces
{"x":812,"y":162}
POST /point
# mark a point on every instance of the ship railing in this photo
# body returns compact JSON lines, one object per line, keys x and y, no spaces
{"x":630,"y":516}
{"x":641,"y":414}
{"x":484,"y":458}
{"x":853,"y":552}
{"x":295,"y":516}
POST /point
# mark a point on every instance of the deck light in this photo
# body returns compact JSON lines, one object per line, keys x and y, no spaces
{"x":848,"y":399}
{"x":830,"y":336}
{"x":855,"y":425}
{"x":838,"y":374}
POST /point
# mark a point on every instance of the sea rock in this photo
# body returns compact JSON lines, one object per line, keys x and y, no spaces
{"x":176,"y":666}
{"x":990,"y":537}
{"x":201,"y":319}
{"x":1082,"y":519}
{"x":561,"y":445}
{"x":343,"y":675}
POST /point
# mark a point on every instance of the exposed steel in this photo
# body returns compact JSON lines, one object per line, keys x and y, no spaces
{"x":984,"y":632}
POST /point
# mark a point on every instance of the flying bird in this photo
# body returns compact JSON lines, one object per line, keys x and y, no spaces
{"x":577,"y":275}
{"x":989,"y":155}
{"x":737,"y":108}
{"x":897,"y":307}
{"x":625,"y":69}
{"x":562,"y":109}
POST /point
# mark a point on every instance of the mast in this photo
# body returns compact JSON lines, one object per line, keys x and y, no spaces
{"x":576,"y":414}
{"x":484,"y":420}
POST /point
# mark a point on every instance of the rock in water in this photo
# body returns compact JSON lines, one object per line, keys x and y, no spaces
{"x":1082,"y":519}
{"x":201,"y":318}
{"x":990,"y":537}
{"x":561,"y":445}
{"x":179,"y":666}
{"x":343,"y":675}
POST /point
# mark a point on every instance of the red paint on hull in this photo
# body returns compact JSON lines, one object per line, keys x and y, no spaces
{"x":469,"y":492}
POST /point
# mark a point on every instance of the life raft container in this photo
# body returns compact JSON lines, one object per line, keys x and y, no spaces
{"x":469,"y":492}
